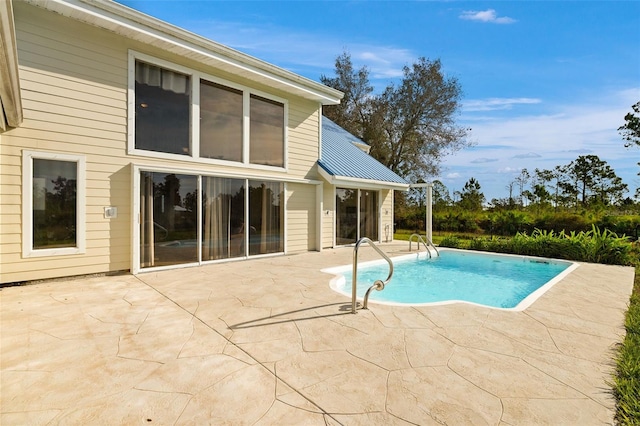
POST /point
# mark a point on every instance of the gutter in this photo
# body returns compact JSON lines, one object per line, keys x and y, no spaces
{"x":10,"y":100}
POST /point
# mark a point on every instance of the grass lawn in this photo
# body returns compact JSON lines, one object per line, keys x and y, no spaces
{"x":626,"y":384}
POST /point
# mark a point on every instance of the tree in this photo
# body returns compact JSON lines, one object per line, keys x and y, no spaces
{"x":521,"y":180}
{"x":410,"y":126}
{"x":440,"y":195}
{"x":592,"y":179}
{"x":353,"y":111}
{"x":630,"y":130}
{"x":471,"y":198}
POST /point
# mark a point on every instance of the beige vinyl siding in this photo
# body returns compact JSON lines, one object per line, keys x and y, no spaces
{"x":303,"y":139}
{"x":74,"y":83}
{"x":301,"y":217}
{"x":386,"y":215}
{"x":74,"y":97}
{"x":328,"y":220}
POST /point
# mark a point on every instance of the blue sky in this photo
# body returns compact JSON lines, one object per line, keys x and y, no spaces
{"x":543,"y":81}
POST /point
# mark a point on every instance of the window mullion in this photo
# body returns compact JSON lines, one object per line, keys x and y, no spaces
{"x":246,"y":126}
{"x":195,"y":116}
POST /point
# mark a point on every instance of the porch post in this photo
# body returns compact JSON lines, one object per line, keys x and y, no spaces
{"x":429,"y":216}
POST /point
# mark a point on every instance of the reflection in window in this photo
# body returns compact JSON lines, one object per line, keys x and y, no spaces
{"x":346,"y":216}
{"x":162,"y":109}
{"x":220,"y":122}
{"x":223,"y":230}
{"x":267,"y":132}
{"x":54,"y":203}
{"x":369,"y":214}
{"x":266,"y":215}
{"x":168,"y":225}
{"x":356,"y":215}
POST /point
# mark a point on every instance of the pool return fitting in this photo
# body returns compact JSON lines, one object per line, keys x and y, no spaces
{"x":378,"y":284}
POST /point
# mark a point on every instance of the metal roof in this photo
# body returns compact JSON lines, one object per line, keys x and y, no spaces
{"x":344,"y":163}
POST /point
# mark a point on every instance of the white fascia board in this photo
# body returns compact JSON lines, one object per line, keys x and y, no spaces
{"x":351,"y":182}
{"x":128,"y":22}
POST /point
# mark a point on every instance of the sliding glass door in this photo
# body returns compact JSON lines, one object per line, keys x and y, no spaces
{"x":369,"y":214}
{"x":223,"y":231}
{"x":168,"y":225}
{"x":233,"y":222}
{"x":266,"y":217}
{"x":356,"y":215}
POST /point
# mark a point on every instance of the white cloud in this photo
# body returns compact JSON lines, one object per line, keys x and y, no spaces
{"x":528,"y":155}
{"x":453,"y":175}
{"x":488,"y":15}
{"x":496,"y":104}
{"x":483,"y":160}
{"x":560,"y":135}
{"x":300,"y":51}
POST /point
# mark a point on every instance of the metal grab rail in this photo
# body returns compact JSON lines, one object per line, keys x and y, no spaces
{"x":378,"y":284}
{"x":424,"y":243}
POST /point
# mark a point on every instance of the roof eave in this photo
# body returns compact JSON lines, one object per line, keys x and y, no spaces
{"x":351,"y":182}
{"x":10,"y":100}
{"x":135,"y":25}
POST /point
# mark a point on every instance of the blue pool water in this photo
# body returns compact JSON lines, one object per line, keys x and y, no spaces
{"x":492,"y":280}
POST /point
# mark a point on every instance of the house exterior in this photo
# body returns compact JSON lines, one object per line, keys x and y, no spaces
{"x":128,"y":144}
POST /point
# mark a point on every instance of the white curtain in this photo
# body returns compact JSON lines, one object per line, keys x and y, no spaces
{"x":217,"y":219}
{"x":147,"y":249}
{"x":152,"y":75}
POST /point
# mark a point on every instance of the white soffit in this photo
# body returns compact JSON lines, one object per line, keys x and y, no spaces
{"x":137,"y":26}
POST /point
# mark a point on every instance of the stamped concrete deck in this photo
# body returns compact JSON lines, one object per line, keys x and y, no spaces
{"x":266,"y":341}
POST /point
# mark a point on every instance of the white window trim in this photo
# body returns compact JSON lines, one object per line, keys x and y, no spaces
{"x":194,"y":130}
{"x":27,"y":204}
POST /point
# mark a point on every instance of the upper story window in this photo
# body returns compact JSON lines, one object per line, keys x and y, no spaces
{"x":178,"y":112}
{"x":267,"y":132}
{"x":221,"y":115}
{"x":163,"y":105}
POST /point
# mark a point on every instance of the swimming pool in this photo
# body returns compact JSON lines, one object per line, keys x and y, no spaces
{"x":494,"y":280}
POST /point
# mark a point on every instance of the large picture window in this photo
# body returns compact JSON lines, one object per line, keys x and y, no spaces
{"x":220,"y":122}
{"x":267,"y":132}
{"x":163,"y":105}
{"x":180,"y":113}
{"x":53,"y":215}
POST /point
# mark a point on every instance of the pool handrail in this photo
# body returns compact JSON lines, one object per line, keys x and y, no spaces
{"x":378,"y":284}
{"x":424,"y":243}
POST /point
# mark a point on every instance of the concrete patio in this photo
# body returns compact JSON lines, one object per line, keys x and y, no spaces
{"x":266,"y":341}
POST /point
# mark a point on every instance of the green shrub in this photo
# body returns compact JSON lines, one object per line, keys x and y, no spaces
{"x":450,"y":241}
{"x":592,"y":246}
{"x":478,"y":244}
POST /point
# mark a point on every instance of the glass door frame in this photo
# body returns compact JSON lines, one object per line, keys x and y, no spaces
{"x":358,"y":212}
